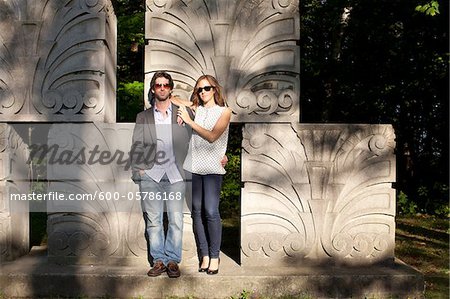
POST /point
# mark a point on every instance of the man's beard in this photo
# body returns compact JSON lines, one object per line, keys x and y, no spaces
{"x":163,"y":99}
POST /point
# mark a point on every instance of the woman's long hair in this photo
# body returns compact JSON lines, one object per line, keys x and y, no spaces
{"x":218,"y":95}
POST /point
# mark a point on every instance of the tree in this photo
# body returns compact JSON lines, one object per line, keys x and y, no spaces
{"x":383,"y":62}
{"x":130,"y":58}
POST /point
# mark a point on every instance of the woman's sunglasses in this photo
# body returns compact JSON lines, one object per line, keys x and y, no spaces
{"x":206,"y":88}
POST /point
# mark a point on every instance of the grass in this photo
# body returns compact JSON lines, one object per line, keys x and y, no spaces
{"x":422,"y":241}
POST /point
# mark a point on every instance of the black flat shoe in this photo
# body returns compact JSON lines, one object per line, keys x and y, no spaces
{"x":213,"y":272}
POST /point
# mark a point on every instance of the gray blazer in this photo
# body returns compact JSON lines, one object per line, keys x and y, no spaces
{"x":143,"y":153}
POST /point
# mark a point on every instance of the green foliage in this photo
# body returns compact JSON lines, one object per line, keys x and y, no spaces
{"x":384,"y":64}
{"x":431,"y":8}
{"x":38,"y":216}
{"x":422,"y":241}
{"x":404,"y":205}
{"x":231,"y":186}
{"x":130,"y":98}
{"x":130,"y":38}
{"x":245,"y":294}
{"x":130,"y":59}
{"x":434,"y":199}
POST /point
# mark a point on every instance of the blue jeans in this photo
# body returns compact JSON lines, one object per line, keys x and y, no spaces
{"x":154,"y":196}
{"x":206,"y":220}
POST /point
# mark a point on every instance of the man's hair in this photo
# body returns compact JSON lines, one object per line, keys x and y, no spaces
{"x":158,"y":74}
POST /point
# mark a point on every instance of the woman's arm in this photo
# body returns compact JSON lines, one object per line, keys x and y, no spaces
{"x":176,"y":100}
{"x":208,"y":135}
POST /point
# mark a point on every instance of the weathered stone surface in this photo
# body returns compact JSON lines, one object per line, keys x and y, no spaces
{"x":249,"y":46}
{"x":317,"y":193}
{"x":106,"y":227}
{"x":57,"y":60}
{"x":14,"y":219}
{"x":33,"y":277}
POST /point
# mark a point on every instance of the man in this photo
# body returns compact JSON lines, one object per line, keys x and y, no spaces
{"x":159,"y":149}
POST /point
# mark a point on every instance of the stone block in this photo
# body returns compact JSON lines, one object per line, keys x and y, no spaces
{"x":317,"y":193}
{"x":57,"y":60}
{"x":249,"y":46}
{"x":14,"y":219}
{"x":101,"y":222}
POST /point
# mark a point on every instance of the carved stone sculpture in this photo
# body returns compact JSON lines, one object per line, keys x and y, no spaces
{"x":249,"y":46}
{"x":104,"y":224}
{"x":57,"y":60}
{"x":317,"y":193}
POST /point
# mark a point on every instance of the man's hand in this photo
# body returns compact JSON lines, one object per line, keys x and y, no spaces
{"x":180,"y":121}
{"x":224,"y":161}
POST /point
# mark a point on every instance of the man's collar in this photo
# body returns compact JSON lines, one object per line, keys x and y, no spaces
{"x":168,"y":108}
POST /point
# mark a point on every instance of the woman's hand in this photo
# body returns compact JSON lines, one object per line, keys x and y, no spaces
{"x":184,"y":115}
{"x":177,"y":101}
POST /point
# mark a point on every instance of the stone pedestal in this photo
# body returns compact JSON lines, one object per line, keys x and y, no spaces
{"x":33,"y":276}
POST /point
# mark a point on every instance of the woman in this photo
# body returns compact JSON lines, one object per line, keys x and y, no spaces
{"x":206,"y":150}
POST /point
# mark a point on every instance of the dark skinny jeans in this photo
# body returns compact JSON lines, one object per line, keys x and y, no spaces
{"x":206,"y":220}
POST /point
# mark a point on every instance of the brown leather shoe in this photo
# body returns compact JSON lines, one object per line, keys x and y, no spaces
{"x":173,"y":271}
{"x":158,"y":269}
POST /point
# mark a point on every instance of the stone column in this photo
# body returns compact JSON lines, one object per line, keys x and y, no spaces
{"x":57,"y":64}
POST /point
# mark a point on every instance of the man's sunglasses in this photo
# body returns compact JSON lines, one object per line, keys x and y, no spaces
{"x":165,"y":86}
{"x":206,"y":88}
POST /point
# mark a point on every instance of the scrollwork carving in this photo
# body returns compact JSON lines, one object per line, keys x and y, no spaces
{"x":80,"y":235}
{"x":159,"y":5}
{"x":58,"y":54}
{"x":328,"y":185}
{"x":94,"y":5}
{"x":378,"y":144}
{"x":274,"y":246}
{"x":251,"y":51}
{"x":284,"y":4}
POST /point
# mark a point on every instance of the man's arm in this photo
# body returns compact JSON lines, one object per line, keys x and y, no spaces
{"x":136,"y":153}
